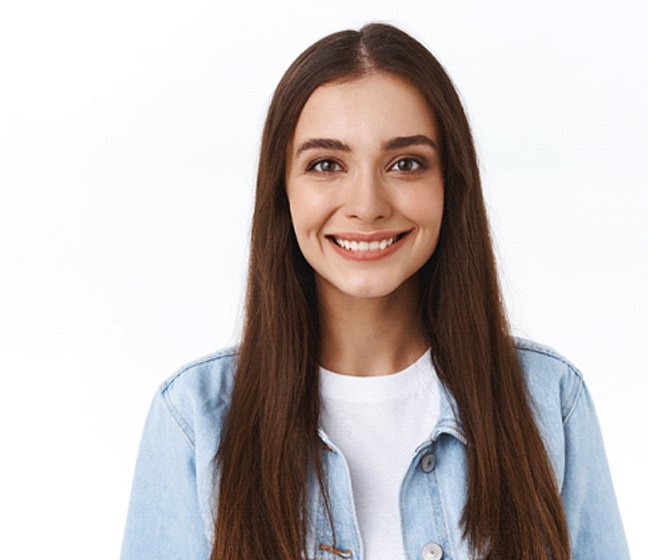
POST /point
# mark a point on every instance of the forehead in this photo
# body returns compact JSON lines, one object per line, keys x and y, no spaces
{"x":372,"y":108}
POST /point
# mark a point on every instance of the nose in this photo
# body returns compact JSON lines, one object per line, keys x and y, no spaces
{"x":367,"y":198}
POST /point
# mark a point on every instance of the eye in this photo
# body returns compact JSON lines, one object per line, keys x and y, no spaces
{"x":324,"y":166}
{"x":408,"y":164}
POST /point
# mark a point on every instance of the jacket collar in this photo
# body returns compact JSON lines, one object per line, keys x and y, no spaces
{"x":448,"y":422}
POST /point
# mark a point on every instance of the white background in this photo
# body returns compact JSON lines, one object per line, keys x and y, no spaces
{"x":129,"y":135}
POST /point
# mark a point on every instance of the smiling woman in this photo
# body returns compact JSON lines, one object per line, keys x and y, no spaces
{"x":377,"y":406}
{"x":365,"y":186}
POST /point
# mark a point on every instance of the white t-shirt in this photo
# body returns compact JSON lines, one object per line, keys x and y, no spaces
{"x":377,"y":423}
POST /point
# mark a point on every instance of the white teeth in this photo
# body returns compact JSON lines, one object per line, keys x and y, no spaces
{"x":365,"y":245}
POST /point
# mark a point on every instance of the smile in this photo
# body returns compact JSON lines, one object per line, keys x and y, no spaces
{"x":367,"y":247}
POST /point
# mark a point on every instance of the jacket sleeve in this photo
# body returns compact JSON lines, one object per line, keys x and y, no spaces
{"x":164,"y":520}
{"x":593,"y":518}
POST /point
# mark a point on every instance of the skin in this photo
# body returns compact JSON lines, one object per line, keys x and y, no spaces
{"x":363,"y":164}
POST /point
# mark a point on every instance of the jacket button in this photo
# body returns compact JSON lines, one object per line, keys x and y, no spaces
{"x":432,"y":551}
{"x":427,"y":463}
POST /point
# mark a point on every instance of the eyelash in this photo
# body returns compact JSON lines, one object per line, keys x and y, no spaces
{"x":422,"y":165}
{"x":311,"y":166}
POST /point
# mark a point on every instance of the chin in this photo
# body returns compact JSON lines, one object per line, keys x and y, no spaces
{"x":367,"y":294}
{"x":369,"y":287}
{"x":367,"y":291}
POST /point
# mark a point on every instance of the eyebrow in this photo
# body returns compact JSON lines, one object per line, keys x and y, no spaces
{"x":405,"y":141}
{"x":325,"y":143}
{"x":393,"y":144}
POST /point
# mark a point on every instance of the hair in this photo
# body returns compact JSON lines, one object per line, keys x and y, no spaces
{"x":270,"y":443}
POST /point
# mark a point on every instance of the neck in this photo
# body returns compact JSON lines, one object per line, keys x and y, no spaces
{"x":371,"y":336}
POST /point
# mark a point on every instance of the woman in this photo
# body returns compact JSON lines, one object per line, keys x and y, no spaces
{"x":377,"y":406}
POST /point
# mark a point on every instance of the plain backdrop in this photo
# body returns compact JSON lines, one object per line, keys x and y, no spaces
{"x":129,"y":135}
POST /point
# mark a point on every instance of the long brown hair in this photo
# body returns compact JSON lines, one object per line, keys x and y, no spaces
{"x":270,"y":444}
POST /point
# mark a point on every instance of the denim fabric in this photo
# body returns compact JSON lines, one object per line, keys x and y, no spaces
{"x":172,"y":501}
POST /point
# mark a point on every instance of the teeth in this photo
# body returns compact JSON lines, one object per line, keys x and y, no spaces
{"x":364,"y":245}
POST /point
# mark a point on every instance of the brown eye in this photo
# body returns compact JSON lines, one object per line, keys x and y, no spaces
{"x":407,"y":164}
{"x":324,"y":166}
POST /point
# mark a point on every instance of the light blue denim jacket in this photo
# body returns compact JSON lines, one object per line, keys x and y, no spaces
{"x":172,"y":501}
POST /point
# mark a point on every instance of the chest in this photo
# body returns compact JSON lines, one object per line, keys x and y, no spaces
{"x":430,"y":499}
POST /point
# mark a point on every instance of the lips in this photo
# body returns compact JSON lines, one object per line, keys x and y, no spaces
{"x":364,"y":246}
{"x":351,"y":245}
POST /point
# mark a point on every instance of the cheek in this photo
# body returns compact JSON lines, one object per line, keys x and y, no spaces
{"x":309,"y":210}
{"x":300,"y":213}
{"x":424,"y":209}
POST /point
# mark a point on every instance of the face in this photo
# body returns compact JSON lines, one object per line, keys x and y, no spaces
{"x":365,"y":185}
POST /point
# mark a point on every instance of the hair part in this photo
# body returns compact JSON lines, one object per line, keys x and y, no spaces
{"x":270,"y":444}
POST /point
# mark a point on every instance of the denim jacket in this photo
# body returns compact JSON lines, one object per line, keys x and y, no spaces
{"x":171,"y":512}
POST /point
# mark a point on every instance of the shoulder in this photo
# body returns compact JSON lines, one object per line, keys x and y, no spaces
{"x":204,"y":376}
{"x":552,"y":380}
{"x":555,"y":387}
{"x":198,"y":394}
